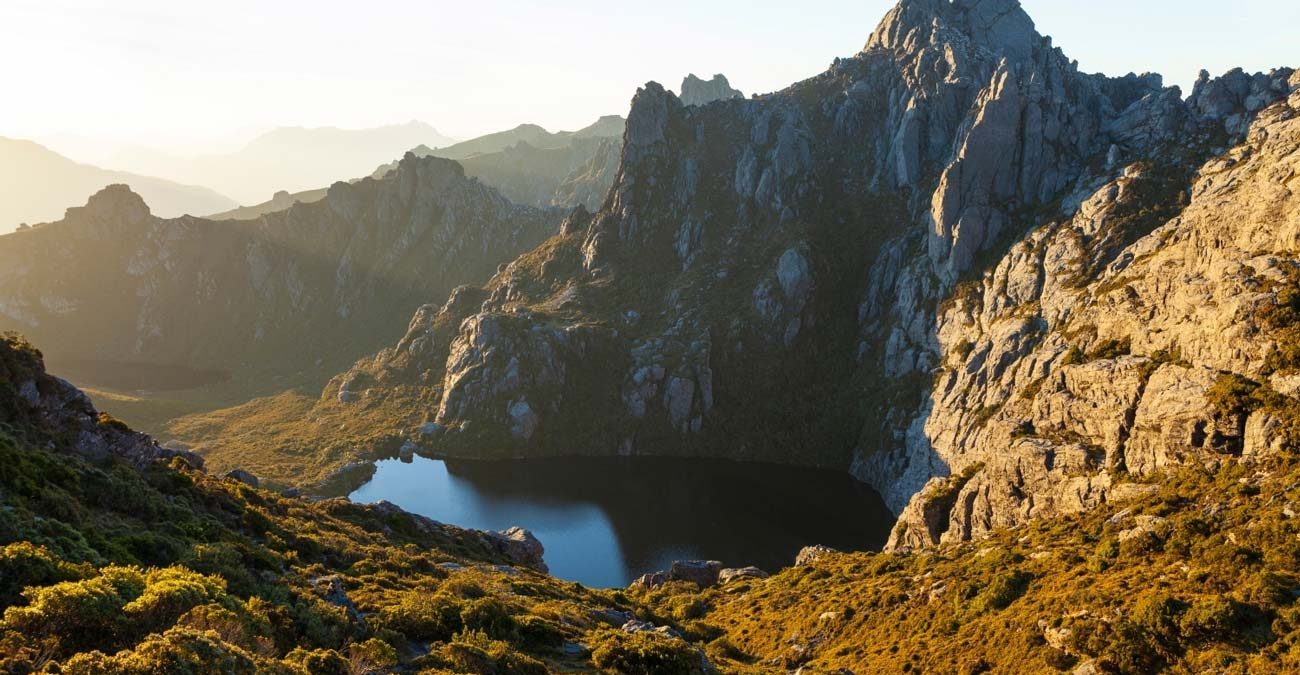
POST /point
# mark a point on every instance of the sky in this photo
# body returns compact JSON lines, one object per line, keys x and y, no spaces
{"x":192,"y":76}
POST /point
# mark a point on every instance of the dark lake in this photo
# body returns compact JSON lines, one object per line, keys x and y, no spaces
{"x":606,"y":521}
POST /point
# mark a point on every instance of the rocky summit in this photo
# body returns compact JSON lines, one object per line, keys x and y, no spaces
{"x":696,"y":91}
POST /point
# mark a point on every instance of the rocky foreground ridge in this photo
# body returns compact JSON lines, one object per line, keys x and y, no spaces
{"x":321,"y":280}
{"x":951,"y":255}
{"x":119,"y":556}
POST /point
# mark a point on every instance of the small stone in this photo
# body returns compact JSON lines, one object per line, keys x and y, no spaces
{"x":243,"y":477}
{"x":809,"y":554}
{"x":431,"y":429}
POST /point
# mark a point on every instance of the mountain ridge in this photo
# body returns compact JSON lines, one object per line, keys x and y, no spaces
{"x":528,"y":164}
{"x":233,"y":293}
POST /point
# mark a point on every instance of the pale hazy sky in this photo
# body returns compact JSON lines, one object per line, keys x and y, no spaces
{"x":183,"y":74}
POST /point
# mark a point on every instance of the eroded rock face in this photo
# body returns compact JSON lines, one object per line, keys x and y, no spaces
{"x":1091,"y":346}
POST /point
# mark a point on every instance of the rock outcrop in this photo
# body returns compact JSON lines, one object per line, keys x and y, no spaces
{"x":696,"y":91}
{"x":1094,"y":347}
{"x":50,"y":412}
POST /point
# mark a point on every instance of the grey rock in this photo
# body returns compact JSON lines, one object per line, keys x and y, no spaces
{"x":613,"y":617}
{"x":810,"y":554}
{"x":30,"y":393}
{"x":334,"y":592}
{"x":431,"y":430}
{"x":523,"y":421}
{"x":638,"y":626}
{"x":520,"y":546}
{"x":702,"y":572}
{"x":243,"y":477}
{"x":731,"y":574}
{"x":406,"y":453}
{"x":651,"y":580}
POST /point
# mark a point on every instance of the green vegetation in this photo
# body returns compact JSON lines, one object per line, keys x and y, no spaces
{"x":1211,"y":586}
{"x":645,"y":654}
{"x":1235,"y":398}
{"x":296,"y":440}
{"x":106,"y":567}
{"x":1281,"y":317}
{"x":1106,"y":349}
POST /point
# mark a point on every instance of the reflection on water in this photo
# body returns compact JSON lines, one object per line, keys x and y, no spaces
{"x":606,"y":521}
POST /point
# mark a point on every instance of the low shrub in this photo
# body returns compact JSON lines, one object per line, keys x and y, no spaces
{"x":645,"y":653}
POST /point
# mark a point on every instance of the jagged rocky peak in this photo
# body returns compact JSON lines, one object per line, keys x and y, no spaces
{"x":696,"y":91}
{"x":114,"y":204}
{"x":434,"y":172}
{"x":1001,"y":26}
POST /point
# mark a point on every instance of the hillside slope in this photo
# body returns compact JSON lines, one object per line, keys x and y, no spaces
{"x":117,"y":556}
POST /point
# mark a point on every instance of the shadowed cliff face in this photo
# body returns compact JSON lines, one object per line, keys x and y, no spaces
{"x":111,"y":282}
{"x":824,"y":275}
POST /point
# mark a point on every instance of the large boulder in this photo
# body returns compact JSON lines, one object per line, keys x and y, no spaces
{"x":521,"y":547}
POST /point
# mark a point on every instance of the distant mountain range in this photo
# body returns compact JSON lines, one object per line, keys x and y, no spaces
{"x":531,"y":165}
{"x":609,"y":126}
{"x":289,"y":158}
{"x":528,"y":165}
{"x":38,"y":184}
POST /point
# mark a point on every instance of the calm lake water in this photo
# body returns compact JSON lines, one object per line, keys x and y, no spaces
{"x":606,"y":521}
